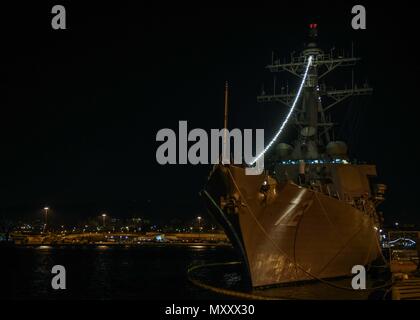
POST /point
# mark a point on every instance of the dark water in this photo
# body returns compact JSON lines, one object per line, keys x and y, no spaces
{"x":149,"y":272}
{"x":107,"y":272}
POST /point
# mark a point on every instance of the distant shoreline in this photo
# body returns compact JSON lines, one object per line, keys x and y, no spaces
{"x":143,"y":244}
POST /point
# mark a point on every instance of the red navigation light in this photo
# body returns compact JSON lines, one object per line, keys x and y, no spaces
{"x":313,"y":25}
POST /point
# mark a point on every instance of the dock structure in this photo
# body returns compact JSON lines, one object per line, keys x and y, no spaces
{"x":408,"y":289}
{"x":117,"y":238}
{"x":404,"y":254}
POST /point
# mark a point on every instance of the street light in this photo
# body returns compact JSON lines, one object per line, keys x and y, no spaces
{"x":46,"y":217}
{"x":199,"y":225}
{"x":103,"y":218}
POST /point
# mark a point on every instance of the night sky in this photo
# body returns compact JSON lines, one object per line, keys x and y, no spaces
{"x":80,"y":108}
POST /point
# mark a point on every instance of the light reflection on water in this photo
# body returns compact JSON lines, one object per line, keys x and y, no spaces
{"x":43,"y":247}
{"x":198,"y":247}
{"x":108,"y":272}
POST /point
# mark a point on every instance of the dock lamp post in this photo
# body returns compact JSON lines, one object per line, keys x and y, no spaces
{"x":46,"y":217}
{"x":103,"y":219}
{"x":199,"y":225}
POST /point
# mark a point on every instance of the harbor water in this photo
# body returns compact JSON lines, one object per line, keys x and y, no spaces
{"x":137,"y":272}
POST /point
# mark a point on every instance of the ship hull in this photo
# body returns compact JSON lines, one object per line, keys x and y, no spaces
{"x":290,"y":233}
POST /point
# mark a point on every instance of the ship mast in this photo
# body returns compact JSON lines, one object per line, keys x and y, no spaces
{"x":312,"y":119}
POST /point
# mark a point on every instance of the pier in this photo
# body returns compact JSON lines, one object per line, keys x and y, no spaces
{"x":119,"y":238}
{"x":404,"y":264}
{"x":406,"y":289}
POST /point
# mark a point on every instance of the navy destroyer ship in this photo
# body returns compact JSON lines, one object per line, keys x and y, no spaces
{"x":312,"y":214}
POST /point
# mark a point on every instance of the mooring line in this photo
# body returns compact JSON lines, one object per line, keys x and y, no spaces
{"x":223,"y":291}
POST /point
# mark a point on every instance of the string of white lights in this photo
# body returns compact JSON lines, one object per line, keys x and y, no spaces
{"x":289,"y":114}
{"x":406,"y":239}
